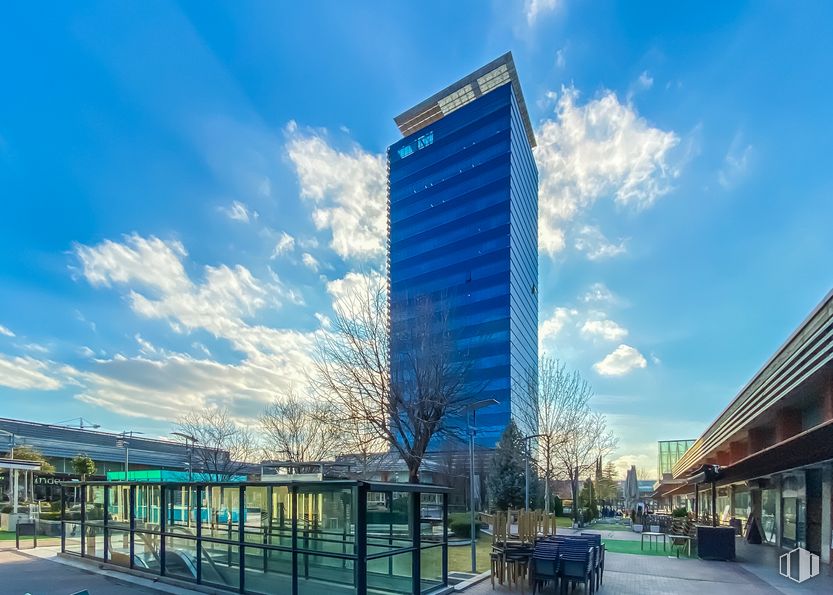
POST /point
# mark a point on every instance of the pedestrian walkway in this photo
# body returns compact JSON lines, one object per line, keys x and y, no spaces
{"x":754,"y":573}
{"x":27,"y":572}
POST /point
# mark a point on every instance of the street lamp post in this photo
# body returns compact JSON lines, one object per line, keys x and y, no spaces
{"x":190,"y":442}
{"x":473,"y":407}
{"x":124,"y":443}
{"x":526,"y":477}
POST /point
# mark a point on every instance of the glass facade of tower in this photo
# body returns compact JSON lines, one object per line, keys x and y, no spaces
{"x":670,"y":451}
{"x":463,"y":233}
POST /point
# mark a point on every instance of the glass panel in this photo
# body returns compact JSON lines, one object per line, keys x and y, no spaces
{"x":118,"y":507}
{"x":94,"y":542}
{"x":387,"y":521}
{"x":181,"y":510}
{"x":181,"y":558}
{"x":268,"y":571}
{"x":325,"y":519}
{"x":94,"y":513}
{"x":220,"y":512}
{"x":146,"y":507}
{"x":769,"y":499}
{"x":391,"y":574}
{"x":73,"y":538}
{"x":146,"y":552}
{"x":220,"y":564}
{"x":322,"y":574}
{"x":431,"y":567}
{"x":268,"y":518}
{"x":118,"y":547}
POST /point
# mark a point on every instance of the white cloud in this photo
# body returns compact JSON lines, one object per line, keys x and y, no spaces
{"x":553,"y":325}
{"x":286,"y":244}
{"x":599,"y":149}
{"x":309,"y":261}
{"x":735,"y":163}
{"x":5,"y":331}
{"x":159,"y":287}
{"x":536,"y":8}
{"x":348,"y":190}
{"x":161,"y":384}
{"x":595,"y":245}
{"x":645,"y":81}
{"x":27,"y":373}
{"x":604,"y":329}
{"x":240,"y":212}
{"x":621,"y":361}
{"x":598,"y":292}
{"x":561,"y":57}
{"x":148,"y":262}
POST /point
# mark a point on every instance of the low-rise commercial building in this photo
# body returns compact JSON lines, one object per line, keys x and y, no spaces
{"x":110,"y":452}
{"x":774,"y":446}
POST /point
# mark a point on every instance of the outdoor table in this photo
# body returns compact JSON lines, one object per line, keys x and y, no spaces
{"x":653,"y":537}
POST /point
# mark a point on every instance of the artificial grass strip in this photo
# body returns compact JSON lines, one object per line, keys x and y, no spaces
{"x":621,"y":546}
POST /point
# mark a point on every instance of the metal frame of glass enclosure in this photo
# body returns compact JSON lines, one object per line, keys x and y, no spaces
{"x":341,"y":536}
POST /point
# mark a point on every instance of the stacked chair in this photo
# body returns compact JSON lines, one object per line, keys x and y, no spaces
{"x":568,"y":560}
{"x":515,"y":537}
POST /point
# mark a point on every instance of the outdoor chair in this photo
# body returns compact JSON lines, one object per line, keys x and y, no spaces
{"x":680,"y":535}
{"x":517,"y":559}
{"x":544,"y":565}
{"x":596,"y":540}
{"x":576,"y":564}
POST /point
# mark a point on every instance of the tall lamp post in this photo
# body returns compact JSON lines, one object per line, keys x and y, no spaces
{"x":472,"y":427}
{"x":526,"y":477}
{"x":124,"y":442}
{"x":190,"y":441}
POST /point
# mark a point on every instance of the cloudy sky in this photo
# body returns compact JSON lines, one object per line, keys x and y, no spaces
{"x":187,"y":187}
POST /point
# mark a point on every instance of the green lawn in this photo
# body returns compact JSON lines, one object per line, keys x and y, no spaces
{"x":459,"y":557}
{"x":621,"y":546}
{"x":7,"y":536}
{"x":608,"y":527}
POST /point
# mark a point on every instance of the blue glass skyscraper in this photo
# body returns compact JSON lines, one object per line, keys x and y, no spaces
{"x":463,"y":232}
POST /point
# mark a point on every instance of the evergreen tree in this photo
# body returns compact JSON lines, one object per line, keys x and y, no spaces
{"x":506,"y":481}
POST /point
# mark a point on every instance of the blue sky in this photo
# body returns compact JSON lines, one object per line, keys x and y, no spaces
{"x":187,"y":187}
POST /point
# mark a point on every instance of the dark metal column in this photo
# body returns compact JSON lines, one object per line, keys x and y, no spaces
{"x":294,"y":502}
{"x":696,"y":502}
{"x":445,"y":539}
{"x":416,"y":558}
{"x":241,"y":525}
{"x":361,"y":539}
{"x":63,"y":519}
{"x":198,"y":513}
{"x":714,"y":504}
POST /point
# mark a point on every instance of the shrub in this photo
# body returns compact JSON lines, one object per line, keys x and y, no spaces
{"x":680,"y":512}
{"x":459,"y":523}
{"x":558,"y":506}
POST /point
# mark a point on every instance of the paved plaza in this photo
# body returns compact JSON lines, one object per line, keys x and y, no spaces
{"x":38,"y":572}
{"x":754,"y":573}
{"x":24,"y":573}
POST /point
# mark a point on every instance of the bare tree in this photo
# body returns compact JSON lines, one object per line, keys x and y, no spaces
{"x":559,"y":401}
{"x":403,"y":403}
{"x":585,"y":442}
{"x":223,"y":448}
{"x":300,"y":430}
